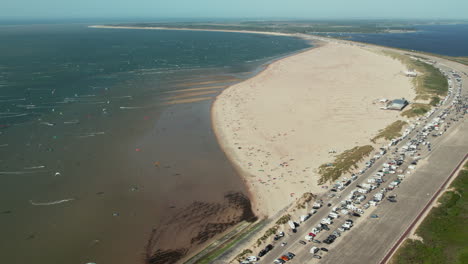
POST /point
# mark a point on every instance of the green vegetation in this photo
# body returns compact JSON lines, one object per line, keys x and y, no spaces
{"x":304,"y":200}
{"x":443,"y":232}
{"x":434,"y":100}
{"x":429,"y":82}
{"x":267,"y":234}
{"x":213,"y":254}
{"x":390,"y":132}
{"x":243,"y":254}
{"x":343,"y":163}
{"x":462,"y":60}
{"x":284,"y":219}
{"x":433,"y":81}
{"x":416,"y":110}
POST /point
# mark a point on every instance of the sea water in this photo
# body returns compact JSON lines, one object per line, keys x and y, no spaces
{"x":98,"y":163}
{"x":449,"y":39}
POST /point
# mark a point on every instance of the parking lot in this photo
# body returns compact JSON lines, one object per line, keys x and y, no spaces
{"x":432,"y":148}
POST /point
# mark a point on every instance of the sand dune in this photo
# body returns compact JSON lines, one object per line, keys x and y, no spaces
{"x":279,"y":126}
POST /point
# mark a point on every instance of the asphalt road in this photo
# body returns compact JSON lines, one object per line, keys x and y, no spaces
{"x":370,"y":239}
{"x":369,"y":242}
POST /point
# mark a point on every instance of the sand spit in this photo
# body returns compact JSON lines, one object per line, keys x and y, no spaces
{"x":196,"y":89}
{"x":280,"y":125}
{"x":188,"y":100}
{"x":194,"y":29}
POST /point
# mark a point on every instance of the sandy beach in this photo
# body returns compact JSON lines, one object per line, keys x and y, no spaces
{"x":279,"y":126}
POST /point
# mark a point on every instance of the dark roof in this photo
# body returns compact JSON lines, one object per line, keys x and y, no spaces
{"x":399,"y":101}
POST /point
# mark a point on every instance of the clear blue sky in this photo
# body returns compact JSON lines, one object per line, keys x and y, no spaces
{"x":318,"y":9}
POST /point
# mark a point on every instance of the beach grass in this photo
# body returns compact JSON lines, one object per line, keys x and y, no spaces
{"x":434,"y":100}
{"x":429,"y":82}
{"x":416,"y":110}
{"x":462,"y":60}
{"x":284,"y":219}
{"x":271,"y":231}
{"x":343,"y":163}
{"x":305,"y":199}
{"x":391,"y":131}
{"x":443,"y":232}
{"x":244,"y":253}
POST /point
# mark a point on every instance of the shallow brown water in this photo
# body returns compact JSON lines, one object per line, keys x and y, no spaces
{"x":156,"y":170}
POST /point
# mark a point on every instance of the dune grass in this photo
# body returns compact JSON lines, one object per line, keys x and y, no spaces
{"x":434,"y":100}
{"x":443,"y":232}
{"x":343,"y":163}
{"x":416,"y":110}
{"x":267,"y":234}
{"x":429,"y":82}
{"x":284,"y":219}
{"x":391,"y":131}
{"x":462,"y":60}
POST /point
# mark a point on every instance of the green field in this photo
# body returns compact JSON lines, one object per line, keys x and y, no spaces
{"x":444,"y":231}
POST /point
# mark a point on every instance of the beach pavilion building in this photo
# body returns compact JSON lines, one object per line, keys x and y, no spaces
{"x":397,"y":104}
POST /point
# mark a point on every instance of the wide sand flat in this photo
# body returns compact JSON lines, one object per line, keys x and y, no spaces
{"x":280,"y":125}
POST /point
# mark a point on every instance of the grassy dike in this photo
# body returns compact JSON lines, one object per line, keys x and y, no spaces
{"x":444,"y":232}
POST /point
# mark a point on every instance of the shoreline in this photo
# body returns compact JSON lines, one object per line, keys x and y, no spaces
{"x":194,"y":29}
{"x":247,"y":175}
{"x":241,"y":172}
{"x":315,"y":38}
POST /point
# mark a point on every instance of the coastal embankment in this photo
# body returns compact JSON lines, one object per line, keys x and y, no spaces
{"x":278,"y":127}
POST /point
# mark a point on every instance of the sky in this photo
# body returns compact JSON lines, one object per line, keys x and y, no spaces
{"x":301,"y":9}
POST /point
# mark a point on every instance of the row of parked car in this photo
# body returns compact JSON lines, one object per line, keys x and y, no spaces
{"x":353,"y":204}
{"x":350,"y":205}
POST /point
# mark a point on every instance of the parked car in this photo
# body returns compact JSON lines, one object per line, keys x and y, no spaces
{"x":317,"y":256}
{"x":324,"y":249}
{"x":279,"y":261}
{"x":302,"y":242}
{"x":314,"y":250}
{"x":374,"y":216}
{"x":290,"y":255}
{"x":252,"y":258}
